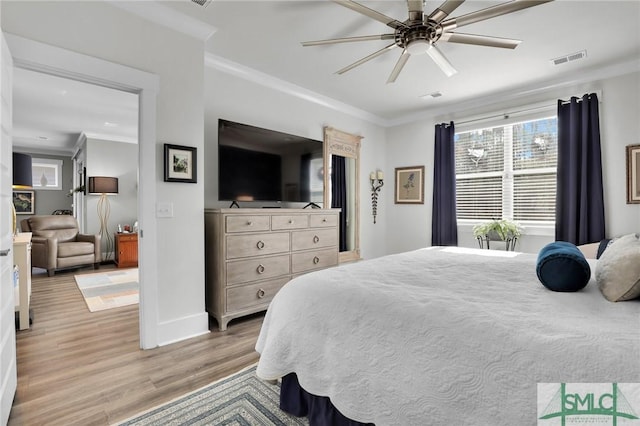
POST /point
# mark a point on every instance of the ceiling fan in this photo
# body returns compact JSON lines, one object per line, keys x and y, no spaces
{"x":420,"y":33}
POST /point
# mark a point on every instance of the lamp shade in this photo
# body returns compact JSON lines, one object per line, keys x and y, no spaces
{"x":103,"y":185}
{"x":22,"y":174}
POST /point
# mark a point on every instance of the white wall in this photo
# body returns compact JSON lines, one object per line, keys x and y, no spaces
{"x":115,"y":159}
{"x":409,"y":226}
{"x":246,"y":102}
{"x":107,"y":32}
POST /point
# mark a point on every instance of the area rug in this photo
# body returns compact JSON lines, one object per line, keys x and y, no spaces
{"x":240,"y":399}
{"x":107,"y":290}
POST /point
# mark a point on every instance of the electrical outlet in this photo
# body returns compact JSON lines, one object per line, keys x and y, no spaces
{"x":164,"y":209}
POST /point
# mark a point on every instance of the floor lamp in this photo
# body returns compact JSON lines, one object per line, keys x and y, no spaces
{"x":22,"y":179}
{"x":104,"y":185}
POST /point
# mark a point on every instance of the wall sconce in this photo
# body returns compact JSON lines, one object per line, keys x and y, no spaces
{"x":104,"y":185}
{"x":376,"y":184}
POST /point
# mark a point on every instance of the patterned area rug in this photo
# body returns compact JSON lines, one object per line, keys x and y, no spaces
{"x":107,"y":290}
{"x":240,"y":399}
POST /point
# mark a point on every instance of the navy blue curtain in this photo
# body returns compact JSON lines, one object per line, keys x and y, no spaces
{"x":339,"y":195}
{"x":579,"y":198}
{"x":444,"y":226}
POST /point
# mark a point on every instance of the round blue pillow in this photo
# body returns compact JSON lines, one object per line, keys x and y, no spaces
{"x":561,"y":266}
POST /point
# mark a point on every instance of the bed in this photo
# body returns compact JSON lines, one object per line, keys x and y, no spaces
{"x":444,"y":336}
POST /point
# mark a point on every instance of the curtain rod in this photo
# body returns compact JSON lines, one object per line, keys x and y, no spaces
{"x":504,"y":115}
{"x":542,"y":105}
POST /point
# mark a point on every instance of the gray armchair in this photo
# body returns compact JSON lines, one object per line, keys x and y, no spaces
{"x":56,"y":243}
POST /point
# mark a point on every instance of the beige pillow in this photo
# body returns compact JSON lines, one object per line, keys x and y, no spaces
{"x":618,"y":269}
{"x":590,"y":251}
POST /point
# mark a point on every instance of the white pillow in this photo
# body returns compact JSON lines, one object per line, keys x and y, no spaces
{"x":618,"y":269}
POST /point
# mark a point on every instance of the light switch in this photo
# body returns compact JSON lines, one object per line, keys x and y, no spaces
{"x":164,"y":209}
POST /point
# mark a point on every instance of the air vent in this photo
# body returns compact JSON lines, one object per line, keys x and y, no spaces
{"x":203,"y":3}
{"x":568,"y":58}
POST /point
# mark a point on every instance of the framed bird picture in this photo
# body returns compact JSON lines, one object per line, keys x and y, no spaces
{"x":24,"y":202}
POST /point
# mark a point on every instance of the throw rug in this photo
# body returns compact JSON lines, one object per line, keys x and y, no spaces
{"x":240,"y":399}
{"x":107,"y":290}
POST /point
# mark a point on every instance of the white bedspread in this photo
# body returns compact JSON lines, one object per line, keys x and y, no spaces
{"x":444,"y":336}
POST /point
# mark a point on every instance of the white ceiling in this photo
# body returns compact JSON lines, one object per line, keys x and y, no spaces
{"x":265,"y":36}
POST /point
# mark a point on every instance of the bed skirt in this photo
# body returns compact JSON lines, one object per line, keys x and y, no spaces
{"x":318,"y":409}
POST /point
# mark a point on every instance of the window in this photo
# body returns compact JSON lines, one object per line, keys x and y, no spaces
{"x":508,"y":172}
{"x":46,"y":173}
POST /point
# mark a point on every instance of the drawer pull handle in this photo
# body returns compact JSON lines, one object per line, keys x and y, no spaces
{"x":290,"y":221}
{"x":249,"y":223}
{"x":260,"y":269}
{"x":260,"y":245}
{"x":316,"y":239}
{"x":261,"y":293}
{"x":316,"y":260}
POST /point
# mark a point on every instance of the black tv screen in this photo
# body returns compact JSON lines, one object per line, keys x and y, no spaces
{"x":256,"y":164}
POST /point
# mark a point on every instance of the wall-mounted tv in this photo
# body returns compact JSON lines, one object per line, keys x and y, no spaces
{"x":256,"y":164}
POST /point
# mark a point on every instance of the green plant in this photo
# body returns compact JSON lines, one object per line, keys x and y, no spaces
{"x":503,"y":228}
{"x":74,"y":190}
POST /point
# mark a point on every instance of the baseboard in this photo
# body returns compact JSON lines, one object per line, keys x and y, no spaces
{"x":183,"y":328}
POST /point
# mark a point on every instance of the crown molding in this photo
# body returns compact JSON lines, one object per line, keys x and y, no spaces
{"x":564,"y":82}
{"x":241,"y":71}
{"x":160,"y":14}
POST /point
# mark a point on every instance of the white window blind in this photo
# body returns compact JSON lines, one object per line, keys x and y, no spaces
{"x":507,"y":171}
{"x":46,"y":173}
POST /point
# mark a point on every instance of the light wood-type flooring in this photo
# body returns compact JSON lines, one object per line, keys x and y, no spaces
{"x":81,"y":368}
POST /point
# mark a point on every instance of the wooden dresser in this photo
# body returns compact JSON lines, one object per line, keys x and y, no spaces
{"x":252,"y":253}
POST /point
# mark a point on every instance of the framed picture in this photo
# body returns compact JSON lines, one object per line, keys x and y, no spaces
{"x":24,"y":202}
{"x":409,"y":185}
{"x":180,"y":163}
{"x":633,"y":174}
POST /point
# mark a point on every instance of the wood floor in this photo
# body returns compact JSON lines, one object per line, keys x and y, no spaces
{"x":81,"y":368}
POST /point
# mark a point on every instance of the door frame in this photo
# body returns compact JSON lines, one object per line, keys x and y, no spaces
{"x":36,"y":56}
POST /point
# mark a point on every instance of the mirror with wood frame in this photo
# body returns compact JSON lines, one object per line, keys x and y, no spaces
{"x":341,"y":187}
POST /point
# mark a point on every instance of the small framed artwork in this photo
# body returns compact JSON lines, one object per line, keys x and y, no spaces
{"x":409,"y":185}
{"x":180,"y":163}
{"x":633,"y":174}
{"x":24,"y":202}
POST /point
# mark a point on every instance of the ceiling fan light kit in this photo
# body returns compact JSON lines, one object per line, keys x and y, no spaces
{"x":420,"y":32}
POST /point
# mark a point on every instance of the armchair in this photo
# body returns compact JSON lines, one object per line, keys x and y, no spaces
{"x":56,"y":243}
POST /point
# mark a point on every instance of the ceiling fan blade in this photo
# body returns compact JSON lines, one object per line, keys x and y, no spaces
{"x":349,"y":39}
{"x":399,"y":65}
{"x":480,"y":40}
{"x":441,"y":61}
{"x":490,"y":12}
{"x":374,"y":14}
{"x":366,"y":58}
{"x":444,"y":10}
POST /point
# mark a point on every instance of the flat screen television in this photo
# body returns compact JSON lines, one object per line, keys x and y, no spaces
{"x":256,"y":164}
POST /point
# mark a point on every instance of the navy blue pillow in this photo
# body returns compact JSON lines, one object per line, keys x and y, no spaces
{"x":561,"y":266}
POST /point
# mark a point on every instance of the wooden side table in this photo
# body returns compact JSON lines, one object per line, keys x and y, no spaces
{"x":126,"y":250}
{"x":22,"y":258}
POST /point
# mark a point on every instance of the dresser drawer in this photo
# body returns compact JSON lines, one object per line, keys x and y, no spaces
{"x":289,"y":222}
{"x":323,"y":221}
{"x":251,"y":295}
{"x":317,"y":259}
{"x":126,"y":237}
{"x":257,"y":244}
{"x":303,"y":240}
{"x":242,"y":223}
{"x":239,"y":271}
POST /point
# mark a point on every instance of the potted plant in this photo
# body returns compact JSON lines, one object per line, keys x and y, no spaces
{"x":74,"y":190}
{"x":497,"y":230}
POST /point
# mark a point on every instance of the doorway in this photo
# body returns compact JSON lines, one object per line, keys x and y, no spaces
{"x":35,"y":56}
